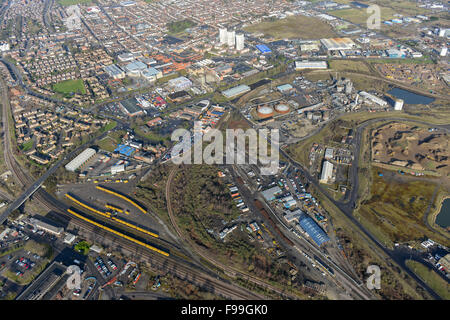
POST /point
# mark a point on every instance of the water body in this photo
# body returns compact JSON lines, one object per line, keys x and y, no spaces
{"x":443,"y":217}
{"x":410,"y":97}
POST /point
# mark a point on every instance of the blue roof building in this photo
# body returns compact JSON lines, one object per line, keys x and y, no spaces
{"x":263,"y":48}
{"x":313,"y":230}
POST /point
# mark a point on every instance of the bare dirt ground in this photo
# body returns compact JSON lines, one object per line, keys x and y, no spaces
{"x":411,"y":146}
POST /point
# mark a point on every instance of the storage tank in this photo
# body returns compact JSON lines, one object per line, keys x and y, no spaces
{"x":265,"y":112}
{"x":282,"y":108}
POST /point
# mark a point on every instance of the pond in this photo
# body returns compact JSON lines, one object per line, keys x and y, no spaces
{"x":443,"y":217}
{"x":410,"y":97}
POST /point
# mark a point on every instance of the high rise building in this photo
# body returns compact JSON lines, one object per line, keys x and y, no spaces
{"x":239,"y":42}
{"x":223,"y":37}
{"x":231,"y":38}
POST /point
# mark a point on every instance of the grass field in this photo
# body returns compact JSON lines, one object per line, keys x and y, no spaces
{"x":294,"y":27}
{"x":395,"y":209}
{"x":27,"y":145}
{"x":395,"y":285}
{"x":350,"y":66}
{"x":69,"y":86}
{"x":388,"y":9}
{"x":360,"y":16}
{"x":439,"y":285}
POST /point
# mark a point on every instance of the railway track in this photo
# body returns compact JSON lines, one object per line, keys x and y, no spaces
{"x":182,"y":268}
{"x":226,"y":269}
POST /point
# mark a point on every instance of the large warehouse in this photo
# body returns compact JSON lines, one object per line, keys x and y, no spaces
{"x":327,"y":172}
{"x":305,"y":64}
{"x":235,"y":91}
{"x":80,"y":159}
{"x":313,"y":230}
{"x":338,"y":44}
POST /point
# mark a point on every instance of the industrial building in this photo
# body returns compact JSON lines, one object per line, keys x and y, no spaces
{"x":130,"y":107}
{"x":338,"y":44}
{"x":270,"y":194}
{"x":263,"y":48}
{"x":445,"y":262}
{"x":398,"y":105}
{"x":327,"y":172}
{"x":235,"y":91}
{"x":373,"y":98}
{"x":80,"y":160}
{"x":395,"y":53}
{"x":47,"y":227}
{"x":117,"y":169}
{"x":329,"y":152}
{"x":305,"y":64}
{"x":313,"y":230}
{"x":285,"y":88}
{"x":293,"y":216}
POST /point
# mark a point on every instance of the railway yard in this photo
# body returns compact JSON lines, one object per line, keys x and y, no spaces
{"x":97,"y":107}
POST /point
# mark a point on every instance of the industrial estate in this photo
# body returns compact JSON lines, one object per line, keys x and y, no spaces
{"x":91,"y":92}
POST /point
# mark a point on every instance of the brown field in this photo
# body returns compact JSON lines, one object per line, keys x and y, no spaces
{"x":411,"y":146}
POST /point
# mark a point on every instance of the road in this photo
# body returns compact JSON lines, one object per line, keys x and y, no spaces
{"x":348,"y":207}
{"x":14,"y":166}
{"x":204,"y":255}
{"x":180,"y":267}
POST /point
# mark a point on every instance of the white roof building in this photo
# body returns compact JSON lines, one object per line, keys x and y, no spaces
{"x":327,"y":172}
{"x":329,"y":152}
{"x":81,"y":159}
{"x":305,"y":64}
{"x":372,"y":98}
{"x":69,"y":238}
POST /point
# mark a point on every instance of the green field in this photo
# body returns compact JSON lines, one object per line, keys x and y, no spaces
{"x":388,"y":9}
{"x":72,"y":2}
{"x":439,"y":285}
{"x":294,"y":27}
{"x":26,"y":145}
{"x":349,"y":65}
{"x":69,"y":86}
{"x":360,"y":16}
{"x":180,"y":26}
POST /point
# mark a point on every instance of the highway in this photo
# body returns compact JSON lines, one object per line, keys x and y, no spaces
{"x":348,"y":207}
{"x":179,"y":266}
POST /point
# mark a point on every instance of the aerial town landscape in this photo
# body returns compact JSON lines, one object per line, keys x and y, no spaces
{"x":92,"y":93}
